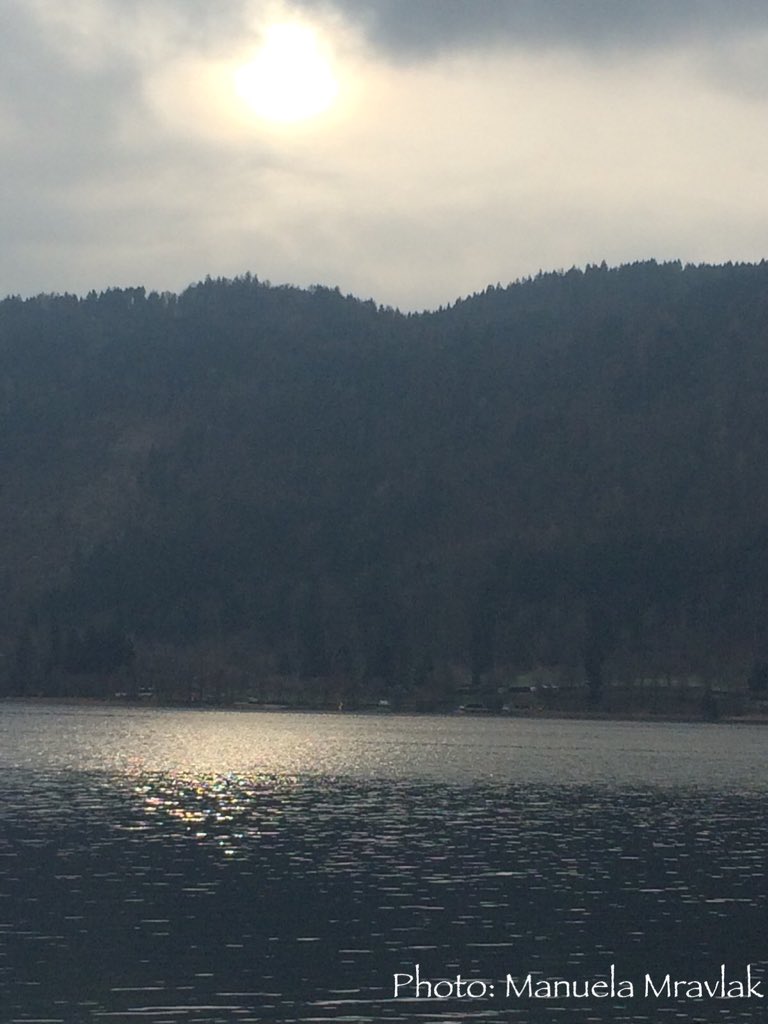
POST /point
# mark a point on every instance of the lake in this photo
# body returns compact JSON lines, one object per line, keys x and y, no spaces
{"x":192,"y":867}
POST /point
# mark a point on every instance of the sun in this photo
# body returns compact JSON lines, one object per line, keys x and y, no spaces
{"x":291,"y":77}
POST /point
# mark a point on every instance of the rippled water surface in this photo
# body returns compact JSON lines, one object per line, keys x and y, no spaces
{"x":179,"y":866}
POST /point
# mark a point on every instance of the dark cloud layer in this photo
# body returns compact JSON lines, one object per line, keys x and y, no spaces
{"x":409,"y":29}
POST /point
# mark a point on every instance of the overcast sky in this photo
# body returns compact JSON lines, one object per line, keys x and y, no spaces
{"x":468,"y":142}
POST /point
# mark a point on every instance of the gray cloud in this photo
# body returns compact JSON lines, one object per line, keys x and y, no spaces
{"x":125,"y":161}
{"x":412,"y":29}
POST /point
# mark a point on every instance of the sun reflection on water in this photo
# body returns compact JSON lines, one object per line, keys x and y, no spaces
{"x":220,"y":808}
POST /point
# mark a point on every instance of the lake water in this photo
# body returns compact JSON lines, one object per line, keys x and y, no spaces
{"x":171,"y":867}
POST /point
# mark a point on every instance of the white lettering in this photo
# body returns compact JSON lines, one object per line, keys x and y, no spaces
{"x":525,"y":989}
{"x":665,"y":989}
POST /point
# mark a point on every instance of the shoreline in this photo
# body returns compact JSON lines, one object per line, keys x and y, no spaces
{"x":564,"y":714}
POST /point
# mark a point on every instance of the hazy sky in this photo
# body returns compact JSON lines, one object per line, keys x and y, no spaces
{"x":458,"y":142}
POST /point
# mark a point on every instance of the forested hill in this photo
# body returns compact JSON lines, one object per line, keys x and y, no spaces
{"x":244,"y":484}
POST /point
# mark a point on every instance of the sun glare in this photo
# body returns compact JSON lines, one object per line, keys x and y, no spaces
{"x":290,"y":78}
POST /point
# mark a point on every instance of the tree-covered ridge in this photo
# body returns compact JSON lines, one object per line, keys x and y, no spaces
{"x":252,"y":485}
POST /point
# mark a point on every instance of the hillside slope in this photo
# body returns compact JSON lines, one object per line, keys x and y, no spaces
{"x":245,"y":483}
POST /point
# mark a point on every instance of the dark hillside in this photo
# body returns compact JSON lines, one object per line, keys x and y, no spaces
{"x":247,"y":486}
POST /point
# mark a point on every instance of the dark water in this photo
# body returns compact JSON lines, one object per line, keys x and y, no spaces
{"x":221,"y":867}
